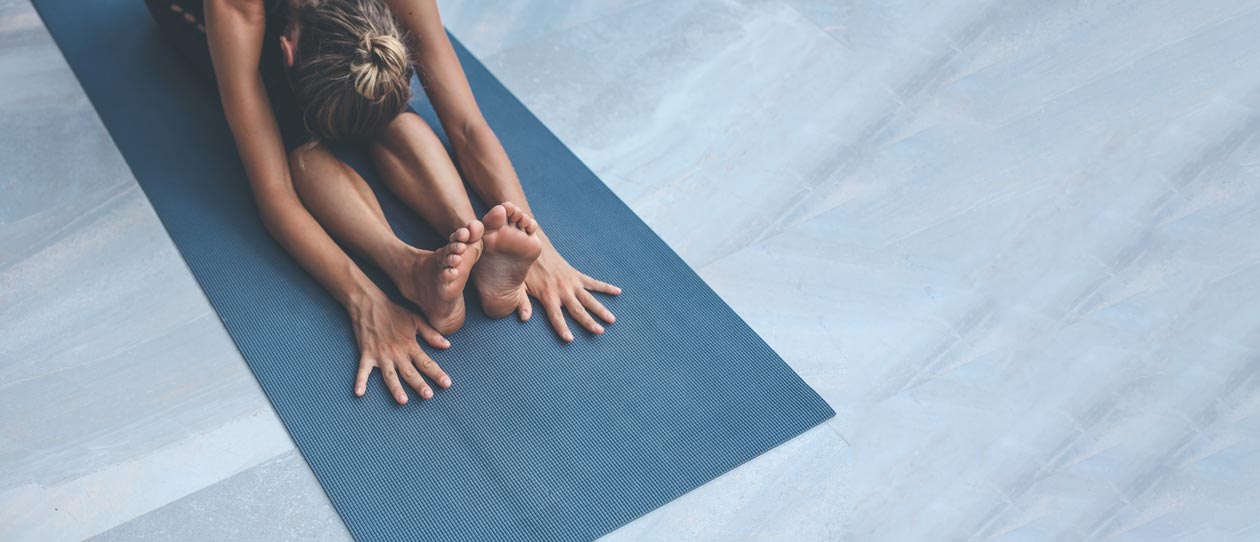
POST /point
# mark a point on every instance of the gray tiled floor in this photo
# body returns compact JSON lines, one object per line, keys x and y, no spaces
{"x":1014,"y":243}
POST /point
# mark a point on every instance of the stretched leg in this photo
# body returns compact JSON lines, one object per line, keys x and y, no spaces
{"x":343,"y":203}
{"x":415,"y":166}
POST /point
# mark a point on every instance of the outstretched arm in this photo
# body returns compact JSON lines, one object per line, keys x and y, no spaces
{"x":555,"y":283}
{"x":235,"y":30}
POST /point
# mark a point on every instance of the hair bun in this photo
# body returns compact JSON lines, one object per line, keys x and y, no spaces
{"x":381,"y":56}
{"x":354,"y":74}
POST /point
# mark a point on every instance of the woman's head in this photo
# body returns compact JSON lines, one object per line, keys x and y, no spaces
{"x":348,"y":66}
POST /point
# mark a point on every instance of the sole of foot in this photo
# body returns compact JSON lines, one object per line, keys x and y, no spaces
{"x":511,"y":246}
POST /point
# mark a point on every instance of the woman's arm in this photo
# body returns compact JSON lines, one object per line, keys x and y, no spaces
{"x":485,"y":165}
{"x":235,"y":30}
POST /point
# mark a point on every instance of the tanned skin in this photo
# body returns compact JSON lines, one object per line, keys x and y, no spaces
{"x":307,"y":197}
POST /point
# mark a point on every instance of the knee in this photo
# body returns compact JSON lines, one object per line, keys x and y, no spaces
{"x":407,"y":120}
{"x":407,"y":127}
{"x":301,"y":159}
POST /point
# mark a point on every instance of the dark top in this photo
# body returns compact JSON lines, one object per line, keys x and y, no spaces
{"x":182,"y":25}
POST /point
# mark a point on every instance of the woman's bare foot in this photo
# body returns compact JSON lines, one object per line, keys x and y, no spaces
{"x":511,"y":246}
{"x":435,"y":280}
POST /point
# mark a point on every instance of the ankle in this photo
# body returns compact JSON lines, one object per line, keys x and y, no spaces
{"x":399,"y":262}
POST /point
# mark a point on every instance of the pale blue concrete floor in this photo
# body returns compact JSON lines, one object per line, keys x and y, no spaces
{"x":1015,"y":244}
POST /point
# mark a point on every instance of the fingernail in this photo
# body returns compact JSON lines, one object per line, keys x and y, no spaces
{"x":599,"y":329}
{"x":427,"y":393}
{"x":446,"y":381}
{"x":402,"y":399}
{"x":359,"y":390}
{"x":568,"y":337}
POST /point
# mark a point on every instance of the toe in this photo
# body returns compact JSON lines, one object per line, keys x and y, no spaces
{"x":452,"y":260}
{"x":456,"y":247}
{"x":496,"y":218}
{"x":531,"y":226}
{"x":475,"y":230}
{"x":450,"y":273}
{"x":461,"y":235}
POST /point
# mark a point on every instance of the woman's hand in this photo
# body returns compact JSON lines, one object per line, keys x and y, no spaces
{"x":557,"y":286}
{"x":386,"y":334}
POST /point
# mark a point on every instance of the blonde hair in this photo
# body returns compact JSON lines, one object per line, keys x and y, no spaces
{"x":353,"y":73}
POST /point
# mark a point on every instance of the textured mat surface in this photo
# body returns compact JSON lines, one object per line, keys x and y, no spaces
{"x":537,"y":440}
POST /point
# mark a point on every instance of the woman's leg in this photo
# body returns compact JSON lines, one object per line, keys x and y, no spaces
{"x":416,"y":167}
{"x":345,"y":206}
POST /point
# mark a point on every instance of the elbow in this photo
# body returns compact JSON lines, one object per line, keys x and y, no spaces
{"x":275,"y":205}
{"x":470,"y":131}
{"x":276,"y":196}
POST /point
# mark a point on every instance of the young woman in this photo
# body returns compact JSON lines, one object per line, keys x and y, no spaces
{"x":297,"y":75}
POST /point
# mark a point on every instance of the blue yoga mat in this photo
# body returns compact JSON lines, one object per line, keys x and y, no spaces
{"x":537,"y":440}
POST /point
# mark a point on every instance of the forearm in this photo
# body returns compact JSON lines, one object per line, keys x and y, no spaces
{"x":486,"y":166}
{"x":288,"y":221}
{"x":292,"y":225}
{"x":305,"y":240}
{"x":235,"y":31}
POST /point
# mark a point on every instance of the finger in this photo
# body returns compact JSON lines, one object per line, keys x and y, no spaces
{"x":525,"y":309}
{"x":431,"y":335}
{"x":412,"y":377}
{"x":578,"y":312}
{"x":430,"y":368}
{"x":360,"y":380}
{"x":556,"y":316}
{"x":599,"y":286}
{"x":595,"y":306}
{"x":390,"y":375}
